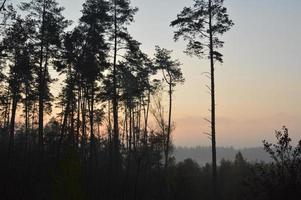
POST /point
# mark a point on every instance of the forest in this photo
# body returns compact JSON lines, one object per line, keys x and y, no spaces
{"x":106,"y":133}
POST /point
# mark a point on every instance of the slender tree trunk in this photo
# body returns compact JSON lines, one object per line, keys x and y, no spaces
{"x":78,"y":114}
{"x":124,"y":125}
{"x":67,"y":111}
{"x":72,"y":121}
{"x":26,"y":117}
{"x":33,"y":119}
{"x":92,"y":136}
{"x":146,"y":118}
{"x":63,"y":128}
{"x":12,"y":126}
{"x":83,"y":146}
{"x":116,"y":162}
{"x":7,"y":111}
{"x":127,"y":128}
{"x":213,"y":131}
{"x":134,"y":129}
{"x":115,"y":99}
{"x":41,"y":83}
{"x":139,"y":123}
{"x":167,"y":149}
{"x":109,"y":124}
{"x":26,"y":160}
{"x":131,"y":129}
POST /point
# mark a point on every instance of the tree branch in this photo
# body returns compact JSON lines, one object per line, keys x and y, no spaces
{"x":2,"y":6}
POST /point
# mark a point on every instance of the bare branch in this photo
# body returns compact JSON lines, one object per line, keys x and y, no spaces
{"x":2,"y":6}
{"x":207,"y":120}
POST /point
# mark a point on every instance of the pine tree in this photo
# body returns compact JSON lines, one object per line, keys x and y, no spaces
{"x":49,"y":26}
{"x":172,"y":76}
{"x":201,"y":26}
{"x":122,"y":14}
{"x":20,"y":71}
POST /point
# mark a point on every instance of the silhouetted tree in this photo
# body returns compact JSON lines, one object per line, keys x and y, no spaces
{"x":47,"y":39}
{"x":280,"y":179}
{"x":201,"y":25}
{"x":20,"y":70}
{"x":122,"y":14}
{"x":172,"y":75}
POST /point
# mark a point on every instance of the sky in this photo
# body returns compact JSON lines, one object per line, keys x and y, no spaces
{"x":258,"y":86}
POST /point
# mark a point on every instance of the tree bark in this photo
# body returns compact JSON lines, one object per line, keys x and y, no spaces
{"x":78,"y":113}
{"x":146,"y":118}
{"x":115,"y":99}
{"x":26,"y":117}
{"x":167,"y":147}
{"x":92,"y":136}
{"x":213,"y":124}
{"x":83,"y":141}
{"x":12,"y":126}
{"x":41,"y":84}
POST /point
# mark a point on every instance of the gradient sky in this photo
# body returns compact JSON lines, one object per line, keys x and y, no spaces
{"x":258,"y":86}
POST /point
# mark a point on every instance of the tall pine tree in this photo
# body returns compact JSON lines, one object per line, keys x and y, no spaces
{"x":201,"y":25}
{"x":47,"y":40}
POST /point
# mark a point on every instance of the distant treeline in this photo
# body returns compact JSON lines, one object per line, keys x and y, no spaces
{"x":202,"y":155}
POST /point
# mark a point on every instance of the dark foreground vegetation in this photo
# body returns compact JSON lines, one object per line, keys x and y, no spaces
{"x":79,"y":173}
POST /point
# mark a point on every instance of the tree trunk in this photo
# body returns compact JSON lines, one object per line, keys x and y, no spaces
{"x":26,"y":117}
{"x":72,"y":121}
{"x":131,"y":129}
{"x":146,"y":118}
{"x":7,"y":111}
{"x":12,"y":126}
{"x":213,"y":131}
{"x":167,"y":148}
{"x":123,"y":125}
{"x":67,"y":111}
{"x":78,"y":114}
{"x":92,"y":136}
{"x":115,"y":99}
{"x":83,"y":142}
{"x":41,"y":83}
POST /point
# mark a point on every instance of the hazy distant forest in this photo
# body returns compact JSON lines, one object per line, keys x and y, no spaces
{"x":107,"y":134}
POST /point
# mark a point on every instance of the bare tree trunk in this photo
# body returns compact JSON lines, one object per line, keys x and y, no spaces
{"x":213,"y":131}
{"x":67,"y":112}
{"x":83,"y":142}
{"x":63,"y":128}
{"x":26,"y":118}
{"x":72,"y":121}
{"x":109,"y":124}
{"x":115,"y":99}
{"x":12,"y":126}
{"x":139,"y":122}
{"x":7,"y":111}
{"x":167,"y":147}
{"x":78,"y":114}
{"x":134,"y":129}
{"x":125,"y":125}
{"x":131,"y":130}
{"x":92,"y":136}
{"x":146,"y":118}
{"x":33,"y":119}
{"x":41,"y":84}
